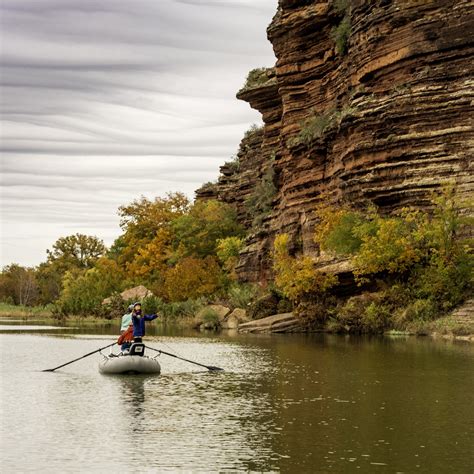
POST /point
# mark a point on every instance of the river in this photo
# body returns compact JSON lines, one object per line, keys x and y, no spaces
{"x":284,"y":403}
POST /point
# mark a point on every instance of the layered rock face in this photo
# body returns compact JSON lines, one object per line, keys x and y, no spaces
{"x":385,"y":91}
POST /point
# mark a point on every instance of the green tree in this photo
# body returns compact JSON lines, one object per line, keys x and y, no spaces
{"x":84,"y":290}
{"x":76,"y":251}
{"x":197,"y":233}
{"x":228,"y":251}
{"x":49,"y":277}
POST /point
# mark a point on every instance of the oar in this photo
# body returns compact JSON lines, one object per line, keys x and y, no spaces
{"x":208,"y":367}
{"x":79,"y":358}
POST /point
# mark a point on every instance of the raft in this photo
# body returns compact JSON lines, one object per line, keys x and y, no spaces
{"x":132,"y":363}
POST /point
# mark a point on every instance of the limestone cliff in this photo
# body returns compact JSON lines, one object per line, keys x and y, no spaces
{"x":368,"y":101}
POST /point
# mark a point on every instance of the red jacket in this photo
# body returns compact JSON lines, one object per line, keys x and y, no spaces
{"x":126,"y":336}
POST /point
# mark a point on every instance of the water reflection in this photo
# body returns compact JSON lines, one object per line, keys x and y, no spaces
{"x":284,"y":403}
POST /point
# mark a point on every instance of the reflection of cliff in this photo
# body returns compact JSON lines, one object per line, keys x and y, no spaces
{"x":390,"y":119}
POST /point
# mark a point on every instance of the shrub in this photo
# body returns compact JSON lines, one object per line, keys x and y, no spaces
{"x":285,"y":306}
{"x":253,"y":130}
{"x":312,"y":128}
{"x":431,"y":265}
{"x":366,"y":313}
{"x":242,"y":295}
{"x":376,"y":317}
{"x":259,"y":204}
{"x":335,"y":232}
{"x":233,"y":165}
{"x":210,"y":319}
{"x":341,"y":34}
{"x":228,"y":251}
{"x":421,"y":309}
{"x":317,"y":124}
{"x":446,"y":283}
{"x":257,"y":77}
{"x":341,"y":6}
{"x":296,"y":277}
{"x":391,"y":244}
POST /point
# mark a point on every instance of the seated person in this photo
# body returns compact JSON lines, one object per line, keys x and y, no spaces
{"x":126,"y":337}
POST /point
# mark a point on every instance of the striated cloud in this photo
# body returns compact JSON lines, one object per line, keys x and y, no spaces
{"x":106,"y":100}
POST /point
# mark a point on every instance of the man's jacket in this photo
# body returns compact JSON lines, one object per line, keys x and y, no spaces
{"x":139,"y":324}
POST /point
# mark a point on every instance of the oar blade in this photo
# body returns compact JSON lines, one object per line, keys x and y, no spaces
{"x":212,"y":368}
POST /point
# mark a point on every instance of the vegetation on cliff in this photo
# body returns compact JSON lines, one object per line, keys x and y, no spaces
{"x":298,"y":277}
{"x":258,"y":77}
{"x":411,"y":266}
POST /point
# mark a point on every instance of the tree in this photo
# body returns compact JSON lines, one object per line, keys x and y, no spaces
{"x":192,"y":278}
{"x":228,"y":251}
{"x":78,"y":250}
{"x":18,"y":285}
{"x":142,"y":220}
{"x":49,"y":277}
{"x":198,"y":232}
{"x":298,"y":276}
{"x":84,"y":290}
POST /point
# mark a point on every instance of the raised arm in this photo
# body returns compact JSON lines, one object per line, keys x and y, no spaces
{"x":150,"y":317}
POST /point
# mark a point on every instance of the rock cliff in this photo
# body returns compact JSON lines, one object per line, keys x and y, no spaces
{"x":367,"y":102}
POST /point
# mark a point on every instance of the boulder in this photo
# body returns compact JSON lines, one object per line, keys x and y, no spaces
{"x":136,"y":293}
{"x":286,"y":322}
{"x":235,"y":318}
{"x":264,"y":306}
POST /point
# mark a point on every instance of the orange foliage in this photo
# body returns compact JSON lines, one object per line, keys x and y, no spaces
{"x":192,"y":278}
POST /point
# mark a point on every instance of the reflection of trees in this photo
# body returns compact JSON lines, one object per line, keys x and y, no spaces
{"x":339,"y":398}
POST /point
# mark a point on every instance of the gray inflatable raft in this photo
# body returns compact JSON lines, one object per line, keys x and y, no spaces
{"x":133,"y":362}
{"x":129,"y":364}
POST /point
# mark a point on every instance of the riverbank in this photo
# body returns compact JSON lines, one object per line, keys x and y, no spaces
{"x":25,"y":312}
{"x":457,"y":326}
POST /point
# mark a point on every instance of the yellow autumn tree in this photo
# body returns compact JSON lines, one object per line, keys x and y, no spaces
{"x":192,"y":278}
{"x":298,"y":276}
{"x":142,"y":221}
{"x":228,"y":250}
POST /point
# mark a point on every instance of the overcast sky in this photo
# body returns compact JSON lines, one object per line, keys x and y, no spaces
{"x":106,"y":100}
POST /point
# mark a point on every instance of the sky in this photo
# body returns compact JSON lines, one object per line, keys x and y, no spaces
{"x":102,"y":101}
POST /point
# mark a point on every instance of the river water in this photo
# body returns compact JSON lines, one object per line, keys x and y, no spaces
{"x":284,"y":403}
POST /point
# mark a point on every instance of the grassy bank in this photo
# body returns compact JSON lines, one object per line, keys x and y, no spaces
{"x":25,"y":312}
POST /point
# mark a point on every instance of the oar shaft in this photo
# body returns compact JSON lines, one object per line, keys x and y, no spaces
{"x":79,"y":358}
{"x":182,"y":358}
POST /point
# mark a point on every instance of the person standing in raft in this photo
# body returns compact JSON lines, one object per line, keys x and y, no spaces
{"x":126,"y":330}
{"x":138,"y":322}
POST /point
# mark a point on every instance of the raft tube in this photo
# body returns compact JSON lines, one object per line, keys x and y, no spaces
{"x":129,"y":364}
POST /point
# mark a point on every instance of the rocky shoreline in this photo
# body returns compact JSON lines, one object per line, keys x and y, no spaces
{"x":459,"y":325}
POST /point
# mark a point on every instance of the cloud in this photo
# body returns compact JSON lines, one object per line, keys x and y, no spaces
{"x":105,"y":100}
